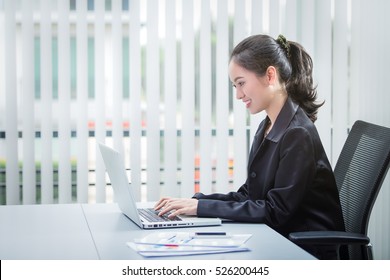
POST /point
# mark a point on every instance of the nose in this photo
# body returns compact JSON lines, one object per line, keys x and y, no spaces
{"x":239,"y":94}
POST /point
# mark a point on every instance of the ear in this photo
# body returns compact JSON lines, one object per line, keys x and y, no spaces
{"x":271,"y":75}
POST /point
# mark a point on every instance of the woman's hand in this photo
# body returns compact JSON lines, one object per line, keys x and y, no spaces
{"x":178,"y":206}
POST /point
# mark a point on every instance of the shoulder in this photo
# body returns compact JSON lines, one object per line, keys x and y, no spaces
{"x":301,"y":123}
{"x":301,"y":130}
{"x":299,"y":135}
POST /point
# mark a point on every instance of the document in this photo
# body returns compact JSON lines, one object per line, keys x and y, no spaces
{"x":185,"y":243}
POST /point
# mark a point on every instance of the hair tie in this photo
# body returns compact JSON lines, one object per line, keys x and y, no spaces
{"x":282,"y":41}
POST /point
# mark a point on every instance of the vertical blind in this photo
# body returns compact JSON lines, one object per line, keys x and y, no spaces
{"x":170,"y":141}
{"x":10,"y":108}
{"x":45,"y":30}
{"x":221,"y":89}
{"x":64,"y":112}
{"x":135,"y":97}
{"x":27,"y":111}
{"x":82,"y":101}
{"x":150,"y":78}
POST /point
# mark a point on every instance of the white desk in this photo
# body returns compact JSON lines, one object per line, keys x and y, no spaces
{"x":100,"y":231}
{"x":45,"y":232}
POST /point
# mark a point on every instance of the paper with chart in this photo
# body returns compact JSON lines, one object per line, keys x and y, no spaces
{"x":187,"y":243}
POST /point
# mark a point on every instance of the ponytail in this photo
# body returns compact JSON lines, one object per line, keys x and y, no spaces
{"x":300,"y":84}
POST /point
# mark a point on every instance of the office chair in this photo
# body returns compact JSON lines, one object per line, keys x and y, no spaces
{"x":360,"y":171}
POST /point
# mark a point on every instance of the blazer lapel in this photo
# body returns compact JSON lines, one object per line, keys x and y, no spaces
{"x":281,"y":124}
{"x":257,"y":140}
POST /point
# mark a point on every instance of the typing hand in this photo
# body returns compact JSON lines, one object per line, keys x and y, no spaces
{"x":178,"y":206}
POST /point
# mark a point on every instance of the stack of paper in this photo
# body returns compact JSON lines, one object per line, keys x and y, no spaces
{"x":160,"y":244}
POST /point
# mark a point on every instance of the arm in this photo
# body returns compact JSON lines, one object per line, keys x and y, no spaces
{"x":240,"y":195}
{"x":190,"y":206}
{"x":296,"y":170}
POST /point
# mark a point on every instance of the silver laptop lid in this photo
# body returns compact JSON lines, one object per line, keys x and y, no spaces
{"x":116,"y":172}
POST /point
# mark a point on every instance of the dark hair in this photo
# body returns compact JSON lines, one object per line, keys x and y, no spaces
{"x":294,"y":65}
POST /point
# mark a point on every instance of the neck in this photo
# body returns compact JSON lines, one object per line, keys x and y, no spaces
{"x":276,"y":106}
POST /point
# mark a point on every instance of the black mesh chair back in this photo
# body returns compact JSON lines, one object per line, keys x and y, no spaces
{"x":360,"y":171}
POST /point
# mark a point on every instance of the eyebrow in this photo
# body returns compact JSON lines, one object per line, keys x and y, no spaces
{"x":239,"y":77}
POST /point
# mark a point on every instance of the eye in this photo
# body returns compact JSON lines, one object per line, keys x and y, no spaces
{"x":238,"y":84}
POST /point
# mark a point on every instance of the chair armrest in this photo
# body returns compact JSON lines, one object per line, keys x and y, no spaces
{"x":328,"y":238}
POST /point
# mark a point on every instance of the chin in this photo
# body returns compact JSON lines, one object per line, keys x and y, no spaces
{"x":254,"y":111}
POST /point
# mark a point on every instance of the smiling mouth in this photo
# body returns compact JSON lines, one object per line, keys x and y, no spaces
{"x":247,"y":103}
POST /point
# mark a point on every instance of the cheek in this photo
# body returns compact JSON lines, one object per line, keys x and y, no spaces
{"x":259,"y":93}
{"x":261,"y":98}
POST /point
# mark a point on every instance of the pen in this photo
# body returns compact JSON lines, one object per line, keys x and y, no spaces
{"x":210,"y":235}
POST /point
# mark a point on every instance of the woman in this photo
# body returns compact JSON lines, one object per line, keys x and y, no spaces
{"x":290,"y":185}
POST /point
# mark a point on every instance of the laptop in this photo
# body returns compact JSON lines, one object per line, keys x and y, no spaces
{"x":146,"y":218}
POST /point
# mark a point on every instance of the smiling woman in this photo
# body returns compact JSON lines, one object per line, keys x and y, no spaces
{"x":290,"y":184}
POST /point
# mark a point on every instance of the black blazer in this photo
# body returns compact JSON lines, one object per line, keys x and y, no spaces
{"x":290,"y":184}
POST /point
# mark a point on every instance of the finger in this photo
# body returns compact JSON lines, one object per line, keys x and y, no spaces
{"x":160,"y":203}
{"x":184,"y":209}
{"x":176,"y":213}
{"x":165,"y":210}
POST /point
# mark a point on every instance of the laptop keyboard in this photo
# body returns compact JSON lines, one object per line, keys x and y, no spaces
{"x":151,"y":215}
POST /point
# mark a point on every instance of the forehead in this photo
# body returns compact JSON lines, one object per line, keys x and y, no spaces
{"x":236,"y":71}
